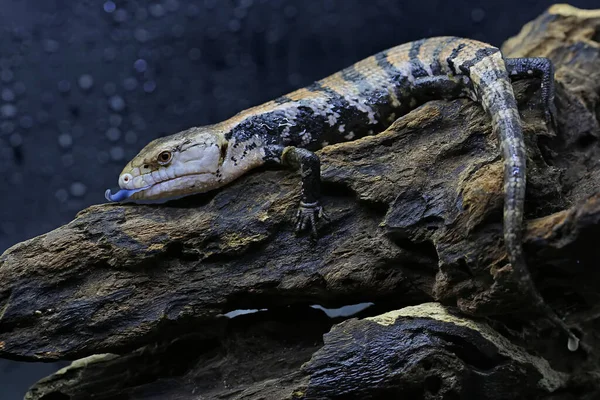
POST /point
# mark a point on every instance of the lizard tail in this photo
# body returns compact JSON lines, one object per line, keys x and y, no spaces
{"x":493,"y":88}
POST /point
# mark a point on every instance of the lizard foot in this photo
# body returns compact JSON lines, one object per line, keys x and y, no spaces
{"x":307,"y":216}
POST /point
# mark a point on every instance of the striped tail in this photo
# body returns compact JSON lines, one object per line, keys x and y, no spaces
{"x":491,"y":83}
{"x":493,"y":87}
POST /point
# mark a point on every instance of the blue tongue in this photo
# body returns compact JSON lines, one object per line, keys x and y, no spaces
{"x":122,"y":194}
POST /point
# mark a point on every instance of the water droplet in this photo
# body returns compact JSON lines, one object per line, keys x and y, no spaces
{"x":16,"y":60}
{"x":109,"y":6}
{"x":149,"y":86}
{"x":101,"y":124}
{"x":47,"y":171}
{"x":138,"y":122}
{"x":247,"y":61}
{"x":194,"y":54}
{"x":232,"y":59}
{"x":121,"y":16}
{"x":177,"y":30}
{"x":172,"y":5}
{"x":61,"y":195}
{"x":192,"y":11}
{"x":116,"y":103}
{"x":113,"y":134}
{"x":178,"y":109}
{"x":130,"y":137}
{"x":141,"y":35}
{"x":78,"y":189}
{"x":130,"y":84}
{"x":86,"y":82}
{"x":210,"y":4}
{"x":294,"y":79}
{"x":477,"y":14}
{"x":64,"y":86}
{"x":67,"y":160}
{"x":234,"y":25}
{"x":272,"y":37}
{"x":329,"y":5}
{"x":115,"y":120}
{"x":8,"y":95}
{"x":8,"y":110}
{"x":47,"y":98}
{"x":167,"y":51}
{"x":7,"y":127}
{"x":26,"y":122}
{"x":290,"y":11}
{"x":9,"y":228}
{"x":240,"y":13}
{"x":140,"y":65}
{"x":19,"y":88}
{"x":65,"y":140}
{"x":15,"y":140}
{"x":117,"y":153}
{"x":16,"y":178}
{"x":77,"y":131}
{"x":156,"y":10}
{"x":212,"y":32}
{"x":109,"y":88}
{"x":109,"y":54}
{"x":43,"y":117}
{"x":102,"y":157}
{"x":141,"y":14}
{"x":64,"y":125}
{"x":51,"y":46}
{"x":7,"y":75}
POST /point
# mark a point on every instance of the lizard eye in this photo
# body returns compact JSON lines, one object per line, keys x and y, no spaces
{"x":164,"y":158}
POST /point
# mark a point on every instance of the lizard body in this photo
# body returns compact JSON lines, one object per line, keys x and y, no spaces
{"x":360,"y":100}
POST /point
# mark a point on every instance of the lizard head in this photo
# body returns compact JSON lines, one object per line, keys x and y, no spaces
{"x":173,"y":166}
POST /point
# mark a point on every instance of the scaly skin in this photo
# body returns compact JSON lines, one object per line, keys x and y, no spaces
{"x":360,"y":100}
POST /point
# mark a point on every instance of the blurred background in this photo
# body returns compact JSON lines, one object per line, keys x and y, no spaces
{"x":84,"y":85}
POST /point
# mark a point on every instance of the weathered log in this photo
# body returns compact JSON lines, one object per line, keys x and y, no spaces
{"x":417,"y":352}
{"x":253,"y":356}
{"x":416,"y":216}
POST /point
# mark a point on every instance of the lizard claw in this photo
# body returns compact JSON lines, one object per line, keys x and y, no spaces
{"x":550,"y":113}
{"x":307,"y":216}
{"x":550,"y":116}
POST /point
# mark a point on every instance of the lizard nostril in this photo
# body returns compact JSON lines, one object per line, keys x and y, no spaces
{"x":126,"y":178}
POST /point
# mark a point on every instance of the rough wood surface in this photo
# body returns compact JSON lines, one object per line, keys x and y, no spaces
{"x":416,"y":217}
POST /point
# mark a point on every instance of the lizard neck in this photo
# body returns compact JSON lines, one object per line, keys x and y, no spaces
{"x":241,"y":155}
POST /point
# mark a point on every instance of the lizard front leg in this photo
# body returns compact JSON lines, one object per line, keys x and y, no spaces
{"x":309,"y":166}
{"x":538,"y":67}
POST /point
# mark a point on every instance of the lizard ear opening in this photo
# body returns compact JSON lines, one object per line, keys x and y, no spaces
{"x":224,"y":147}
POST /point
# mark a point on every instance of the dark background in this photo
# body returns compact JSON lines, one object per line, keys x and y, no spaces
{"x":84,"y":85}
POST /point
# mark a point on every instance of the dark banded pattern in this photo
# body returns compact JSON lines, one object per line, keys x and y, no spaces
{"x":417,"y":68}
{"x":436,"y":64}
{"x":360,"y":81}
{"x":362,"y":98}
{"x":350,"y":74}
{"x":385,"y":64}
{"x":479,"y":56}
{"x":282,"y":100}
{"x":453,"y":55}
{"x":365,"y":98}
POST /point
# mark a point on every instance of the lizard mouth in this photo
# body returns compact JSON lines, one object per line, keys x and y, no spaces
{"x":165,"y":190}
